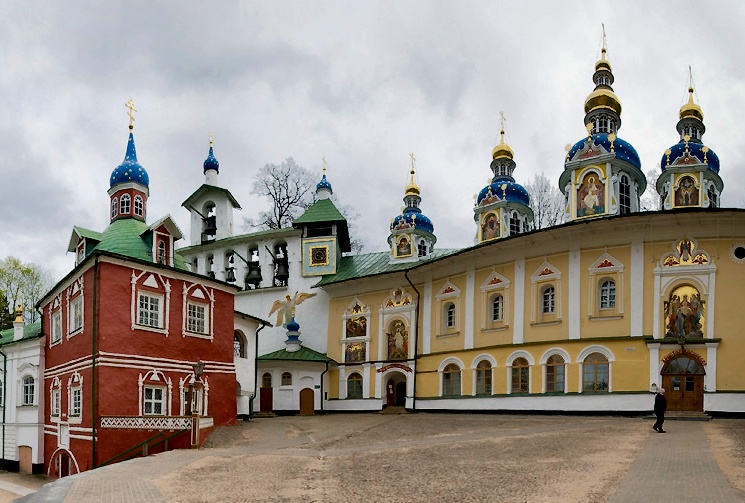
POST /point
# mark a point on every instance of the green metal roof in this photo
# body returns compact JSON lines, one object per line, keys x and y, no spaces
{"x":372,"y":264}
{"x":322,"y":210}
{"x":30,"y":331}
{"x":87,"y":233}
{"x":302,"y":355}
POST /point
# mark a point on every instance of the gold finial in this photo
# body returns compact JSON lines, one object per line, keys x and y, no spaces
{"x":131,"y":105}
{"x":603,"y":50}
{"x":19,"y":314}
{"x":705,"y":150}
{"x":504,"y":190}
{"x":667,"y":153}
{"x":612,"y":138}
{"x":210,"y":140}
{"x":324,"y":165}
{"x":502,"y":120}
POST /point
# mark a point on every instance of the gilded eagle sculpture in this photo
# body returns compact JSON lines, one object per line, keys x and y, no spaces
{"x":285,"y":308}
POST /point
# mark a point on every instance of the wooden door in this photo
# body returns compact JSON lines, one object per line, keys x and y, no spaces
{"x":684,"y":392}
{"x":266,"y":399}
{"x":390,"y":393}
{"x":401,"y":393}
{"x":307,"y":407}
{"x":24,"y":459}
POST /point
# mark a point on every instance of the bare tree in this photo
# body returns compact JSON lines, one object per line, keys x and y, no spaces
{"x":651,"y":201}
{"x":288,"y":187}
{"x":23,"y":284}
{"x":546,"y":200}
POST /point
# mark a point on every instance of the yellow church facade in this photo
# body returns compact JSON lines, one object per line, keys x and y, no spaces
{"x":587,"y":316}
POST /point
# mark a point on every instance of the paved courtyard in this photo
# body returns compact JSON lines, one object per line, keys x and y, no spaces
{"x":433,"y":458}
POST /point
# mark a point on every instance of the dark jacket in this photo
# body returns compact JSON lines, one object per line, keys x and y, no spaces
{"x":660,"y":404}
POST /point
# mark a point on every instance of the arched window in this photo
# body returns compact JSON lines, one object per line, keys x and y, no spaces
{"x":624,"y":189}
{"x":286,"y":379}
{"x":548,"y":304}
{"x":422,"y":248}
{"x":520,"y":375}
{"x":266,"y":380}
{"x":608,"y":294}
{"x":354,"y":385}
{"x":139,"y":207}
{"x":712,"y":193}
{"x":451,"y":380}
{"x":124,"y":204}
{"x":595,"y":372}
{"x":239,"y":345}
{"x":497,"y":308}
{"x":449,"y":315}
{"x":28,"y":390}
{"x":483,"y":378}
{"x":555,"y":374}
{"x":514,"y":224}
{"x":114,"y":207}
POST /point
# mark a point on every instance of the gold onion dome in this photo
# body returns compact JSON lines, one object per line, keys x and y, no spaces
{"x":691,"y":109}
{"x":602,"y":98}
{"x":602,"y":63}
{"x":502,"y":150}
{"x":412,"y":189}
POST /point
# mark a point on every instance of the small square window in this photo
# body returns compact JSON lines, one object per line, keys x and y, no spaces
{"x":154,"y":401}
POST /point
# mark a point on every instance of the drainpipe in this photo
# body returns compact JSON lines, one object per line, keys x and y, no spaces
{"x":415,"y":327}
{"x":322,"y":374}
{"x":256,"y":373}
{"x":5,"y":398}
{"x":94,"y":375}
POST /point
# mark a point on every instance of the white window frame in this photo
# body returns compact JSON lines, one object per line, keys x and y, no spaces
{"x":449,"y":315}
{"x":193,"y":319}
{"x":152,"y":401}
{"x":607,"y":297}
{"x":148,"y":311}
{"x":56,"y":336}
{"x":76,"y":402}
{"x":114,"y":207}
{"x":75,"y":315}
{"x":139,"y":206}
{"x":124,"y":204}
{"x":25,"y":385}
{"x":548,"y":300}
{"x":56,"y":402}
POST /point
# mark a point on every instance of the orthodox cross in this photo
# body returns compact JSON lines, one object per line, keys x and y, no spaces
{"x":131,"y":105}
{"x":324,"y":164}
{"x":412,"y":161}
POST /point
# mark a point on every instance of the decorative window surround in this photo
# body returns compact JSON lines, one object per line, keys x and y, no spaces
{"x":544,"y":359}
{"x":75,"y":398}
{"x":450,"y":309}
{"x":587,"y":352}
{"x":155,"y":379}
{"x":350,"y":326}
{"x":545,"y":276}
{"x":603,"y":269}
{"x":195,"y":296}
{"x":155,"y":286}
{"x":495,"y":284}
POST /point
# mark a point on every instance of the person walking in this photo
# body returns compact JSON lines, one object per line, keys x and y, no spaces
{"x":660,"y":405}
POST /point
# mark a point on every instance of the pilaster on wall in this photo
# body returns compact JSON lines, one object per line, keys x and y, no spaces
{"x":573,"y":307}
{"x":518,"y":331}
{"x":468,"y":328}
{"x":637,"y":285}
{"x":427,"y":318}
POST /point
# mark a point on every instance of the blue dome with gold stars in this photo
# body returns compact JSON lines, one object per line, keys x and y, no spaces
{"x":504,"y":189}
{"x":621,"y":148}
{"x":130,"y":169}
{"x":413,"y":219}
{"x":211,"y":162}
{"x":324,"y":184}
{"x":690,"y":153}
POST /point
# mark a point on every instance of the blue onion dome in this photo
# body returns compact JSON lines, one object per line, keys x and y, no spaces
{"x":413,"y":219}
{"x":293,"y":326}
{"x":503,"y":189}
{"x":620,"y":148}
{"x":324,"y":184}
{"x":690,"y":152}
{"x":211,"y":161}
{"x":130,"y":169}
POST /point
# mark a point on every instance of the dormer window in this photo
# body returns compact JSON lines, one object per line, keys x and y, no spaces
{"x":114,"y":207}
{"x":124,"y":204}
{"x":139,"y":206}
{"x":162,"y":255}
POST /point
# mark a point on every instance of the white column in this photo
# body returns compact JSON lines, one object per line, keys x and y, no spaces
{"x":637,"y":289}
{"x":573,"y":307}
{"x":654,"y":365}
{"x":518,"y":330}
{"x":468,"y":325}
{"x":710,"y":379}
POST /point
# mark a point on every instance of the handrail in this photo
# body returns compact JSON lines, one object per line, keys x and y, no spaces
{"x":123,"y":455}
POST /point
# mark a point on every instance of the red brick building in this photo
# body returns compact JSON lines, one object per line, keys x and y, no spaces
{"x":125,"y":331}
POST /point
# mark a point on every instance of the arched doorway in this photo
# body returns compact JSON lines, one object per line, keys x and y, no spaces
{"x":266,"y":393}
{"x":395,"y":390}
{"x":683,"y":380}
{"x":307,"y":407}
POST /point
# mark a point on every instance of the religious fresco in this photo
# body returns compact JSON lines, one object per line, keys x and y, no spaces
{"x":684,"y":313}
{"x":357,"y":327}
{"x":403,"y":246}
{"x":355,"y":353}
{"x":686,"y":253}
{"x":686,"y":194}
{"x":591,"y":196}
{"x":489,"y":227}
{"x":398,"y":341}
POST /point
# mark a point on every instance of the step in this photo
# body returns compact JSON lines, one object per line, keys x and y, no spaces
{"x":391,"y":409}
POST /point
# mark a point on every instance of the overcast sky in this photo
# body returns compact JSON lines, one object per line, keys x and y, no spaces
{"x":362,"y":83}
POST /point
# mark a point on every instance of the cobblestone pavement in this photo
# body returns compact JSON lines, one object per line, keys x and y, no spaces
{"x":420,"y":457}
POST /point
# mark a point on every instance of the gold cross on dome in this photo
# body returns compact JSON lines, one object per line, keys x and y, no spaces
{"x":413,"y":158}
{"x":502,"y":120}
{"x":324,"y":164}
{"x":131,"y":105}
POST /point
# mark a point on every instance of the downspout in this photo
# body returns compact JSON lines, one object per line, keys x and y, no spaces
{"x":4,"y":397}
{"x":415,"y":328}
{"x":94,"y":375}
{"x":322,"y":374}
{"x":256,"y":373}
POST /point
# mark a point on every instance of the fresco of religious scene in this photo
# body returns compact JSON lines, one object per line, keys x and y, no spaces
{"x":590,"y":196}
{"x":686,"y":194}
{"x":357,"y":327}
{"x":355,"y":353}
{"x":684,"y":313}
{"x":489,"y":227}
{"x":403,"y":248}
{"x":398,"y":341}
